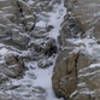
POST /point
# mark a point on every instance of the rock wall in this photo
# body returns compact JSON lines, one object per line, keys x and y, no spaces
{"x":77,"y":69}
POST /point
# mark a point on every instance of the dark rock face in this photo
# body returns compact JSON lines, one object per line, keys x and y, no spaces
{"x":65,"y":78}
{"x":70,"y":29}
{"x":12,"y":67}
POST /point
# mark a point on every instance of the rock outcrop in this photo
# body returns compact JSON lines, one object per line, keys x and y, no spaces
{"x":87,"y":13}
{"x":77,"y":69}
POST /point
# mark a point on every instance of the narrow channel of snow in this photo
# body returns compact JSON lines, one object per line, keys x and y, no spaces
{"x":43,"y":76}
{"x":56,"y":18}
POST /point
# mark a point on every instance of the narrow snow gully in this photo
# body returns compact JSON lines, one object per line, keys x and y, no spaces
{"x":38,"y":77}
{"x":44,"y":75}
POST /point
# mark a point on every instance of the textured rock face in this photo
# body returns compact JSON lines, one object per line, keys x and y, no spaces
{"x":67,"y":72}
{"x":70,"y":29}
{"x":77,"y":69}
{"x":87,"y":13}
{"x":12,"y":67}
{"x":64,"y":78}
{"x":76,"y":76}
{"x":14,"y":64}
